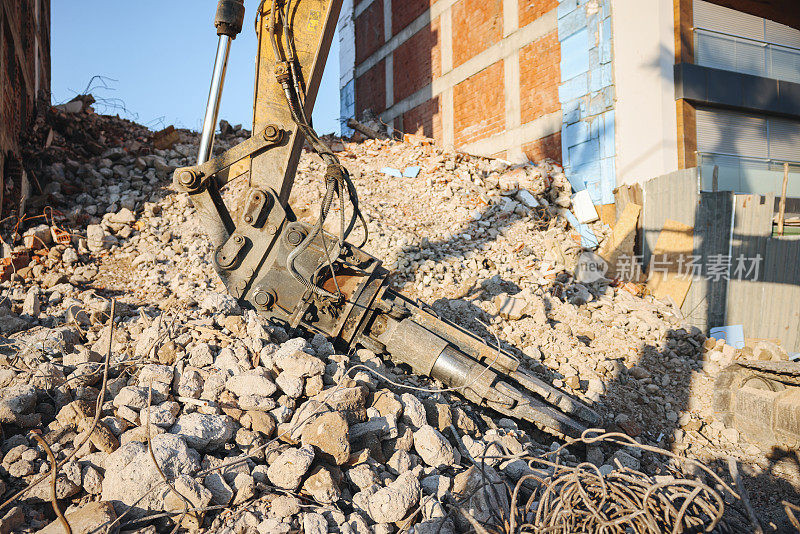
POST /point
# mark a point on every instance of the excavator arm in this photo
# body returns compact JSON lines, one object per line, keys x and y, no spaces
{"x":300,"y":276}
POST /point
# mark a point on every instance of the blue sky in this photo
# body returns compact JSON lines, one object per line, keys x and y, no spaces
{"x":160,"y":55}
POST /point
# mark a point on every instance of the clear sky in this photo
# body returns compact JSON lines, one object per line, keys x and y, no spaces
{"x":160,"y":54}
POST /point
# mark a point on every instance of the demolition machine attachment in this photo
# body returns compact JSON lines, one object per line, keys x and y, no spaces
{"x":301,"y":276}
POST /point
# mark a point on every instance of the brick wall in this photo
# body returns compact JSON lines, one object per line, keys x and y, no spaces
{"x":539,"y":76}
{"x":19,"y":34}
{"x":447,"y":66}
{"x":24,"y":79}
{"x":371,"y":89}
{"x":477,"y":25}
{"x":545,"y":148}
{"x":425,"y":119}
{"x":479,"y":105}
{"x":369,"y":31}
{"x":417,"y":61}
{"x":405,"y":11}
{"x":532,"y":10}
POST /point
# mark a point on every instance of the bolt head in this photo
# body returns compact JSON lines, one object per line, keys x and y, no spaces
{"x":186,"y":178}
{"x":248,"y":219}
{"x":271,"y":133}
{"x":295,"y":237}
{"x":262,"y":298}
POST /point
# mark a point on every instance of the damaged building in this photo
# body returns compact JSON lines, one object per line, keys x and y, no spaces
{"x":618,"y":91}
{"x":24,"y":79}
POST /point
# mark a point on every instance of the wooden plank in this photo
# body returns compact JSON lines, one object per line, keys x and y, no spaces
{"x":782,"y":206}
{"x":621,"y":241}
{"x":665,"y":277}
{"x":608,"y":213}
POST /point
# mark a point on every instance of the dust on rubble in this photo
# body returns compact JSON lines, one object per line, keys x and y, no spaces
{"x":246,"y":416}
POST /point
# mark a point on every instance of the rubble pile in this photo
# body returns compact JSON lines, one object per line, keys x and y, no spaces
{"x":208,"y":409}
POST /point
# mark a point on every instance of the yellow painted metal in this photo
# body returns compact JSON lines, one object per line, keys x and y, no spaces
{"x":313,"y":23}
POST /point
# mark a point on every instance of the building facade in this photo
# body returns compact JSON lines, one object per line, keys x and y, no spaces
{"x":618,"y":91}
{"x":24,"y":75}
{"x":24,"y":65}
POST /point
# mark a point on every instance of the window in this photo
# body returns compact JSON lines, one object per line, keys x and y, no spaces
{"x":748,"y":150}
{"x":731,"y":40}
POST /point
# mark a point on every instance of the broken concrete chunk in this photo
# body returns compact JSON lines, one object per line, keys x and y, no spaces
{"x":16,"y":404}
{"x":329,"y":435}
{"x":89,"y":518}
{"x":392,"y":503}
{"x":204,"y":432}
{"x":136,"y":397}
{"x":188,"y":488}
{"x":299,"y":364}
{"x":413,"y":411}
{"x":130,"y":472}
{"x":383,"y":427}
{"x":509,"y":307}
{"x":288,"y":469}
{"x":245,"y":487}
{"x":323,"y":485}
{"x":284,"y":506}
{"x":253,"y":382}
{"x":221,"y":492}
{"x":314,"y":523}
{"x":156,"y":373}
{"x":290,"y":384}
{"x":432,"y":446}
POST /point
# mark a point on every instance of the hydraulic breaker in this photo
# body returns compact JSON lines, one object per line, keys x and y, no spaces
{"x":300,"y":276}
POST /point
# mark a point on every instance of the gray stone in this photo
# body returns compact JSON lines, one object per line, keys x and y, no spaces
{"x":626,"y":460}
{"x":314,"y":523}
{"x":254,"y":382}
{"x":289,"y":467}
{"x":130,"y":472}
{"x":88,"y":518}
{"x":220,"y":303}
{"x":299,"y":363}
{"x":385,"y":427}
{"x":220,"y":490}
{"x":284,"y":506}
{"x":290,"y":384}
{"x":201,"y":355}
{"x":413,"y":411}
{"x":392,"y":503}
{"x":432,"y":446}
{"x":329,"y":435}
{"x":16,"y":401}
{"x":204,"y":432}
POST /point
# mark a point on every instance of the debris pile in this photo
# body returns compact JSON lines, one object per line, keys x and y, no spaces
{"x":173,"y":405}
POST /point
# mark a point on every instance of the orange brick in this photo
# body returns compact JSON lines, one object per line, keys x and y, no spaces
{"x":545,"y":148}
{"x":530,"y":10}
{"x":539,"y":77}
{"x":425,"y":119}
{"x":479,"y":105}
{"x":477,"y":25}
{"x":417,"y":61}
{"x":371,"y":89}
{"x":369,"y":31}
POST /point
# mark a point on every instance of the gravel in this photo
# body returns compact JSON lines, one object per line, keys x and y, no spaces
{"x":494,"y":257}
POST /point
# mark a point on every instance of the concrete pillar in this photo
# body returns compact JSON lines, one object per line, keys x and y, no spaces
{"x":446,"y":29}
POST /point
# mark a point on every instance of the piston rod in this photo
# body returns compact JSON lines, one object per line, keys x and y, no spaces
{"x":214,"y":98}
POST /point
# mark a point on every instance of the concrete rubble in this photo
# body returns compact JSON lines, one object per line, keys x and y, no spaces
{"x":246,"y":415}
